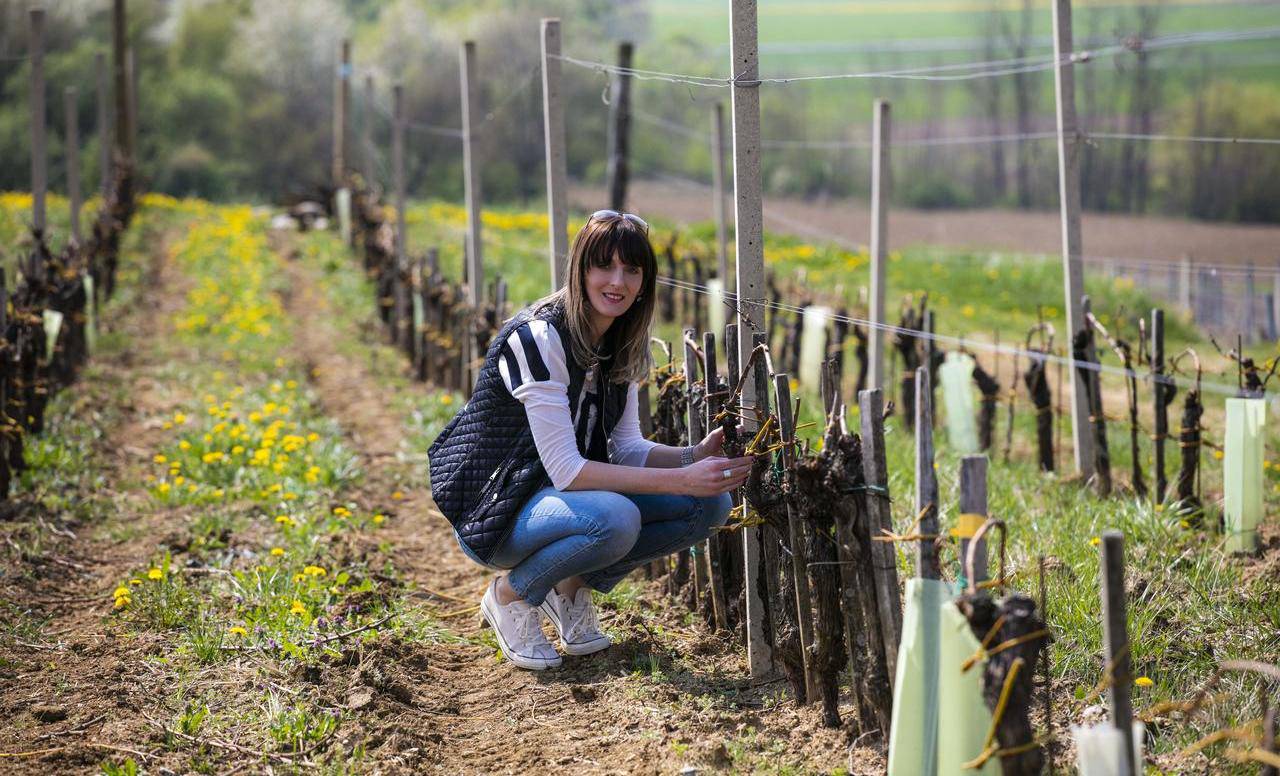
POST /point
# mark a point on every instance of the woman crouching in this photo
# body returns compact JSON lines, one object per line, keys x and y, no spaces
{"x":544,"y":473}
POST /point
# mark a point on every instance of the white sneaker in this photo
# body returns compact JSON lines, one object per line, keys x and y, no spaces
{"x":518,"y":627}
{"x":576,"y":622}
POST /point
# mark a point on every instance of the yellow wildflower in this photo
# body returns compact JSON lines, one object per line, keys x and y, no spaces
{"x":313,"y":436}
{"x":397,"y":495}
{"x":179,"y":418}
{"x":277,"y":551}
{"x":298,"y":608}
{"x":155,"y":575}
{"x":135,"y":581}
{"x":285,"y":520}
{"x":236,"y":630}
{"x":1217,"y":455}
{"x":162,"y":488}
{"x":1095,"y":541}
{"x":184,"y":445}
{"x":179,"y":480}
{"x":159,"y":458}
{"x":1143,"y":681}
{"x":378,"y":519}
{"x":314,"y":571}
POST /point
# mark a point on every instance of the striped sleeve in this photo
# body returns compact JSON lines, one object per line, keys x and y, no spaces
{"x":533,"y":367}
{"x":627,"y":446}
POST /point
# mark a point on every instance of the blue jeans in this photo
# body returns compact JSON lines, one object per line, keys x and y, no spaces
{"x":599,"y":535}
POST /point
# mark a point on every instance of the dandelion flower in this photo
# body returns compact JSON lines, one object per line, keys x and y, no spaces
{"x":313,"y":436}
{"x":179,"y":418}
{"x":298,"y":607}
{"x":314,"y":571}
{"x":159,"y":458}
{"x":236,"y":630}
{"x":378,"y":519}
{"x":155,"y":575}
{"x":1143,"y":681}
{"x":277,"y":551}
{"x":162,"y":488}
{"x":397,"y":495}
{"x":135,"y":581}
{"x":1095,"y":541}
{"x":284,"y":520}
{"x":184,"y":445}
{"x":1217,"y":455}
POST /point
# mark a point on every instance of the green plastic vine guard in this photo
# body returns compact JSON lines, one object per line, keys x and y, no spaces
{"x":52,"y":325}
{"x":1242,"y":473}
{"x":963,"y":716}
{"x":1100,"y":749}
{"x":956,"y":376}
{"x":91,"y":316}
{"x":913,"y":738}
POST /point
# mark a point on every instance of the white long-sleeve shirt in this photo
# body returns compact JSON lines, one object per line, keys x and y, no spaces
{"x":534,"y":367}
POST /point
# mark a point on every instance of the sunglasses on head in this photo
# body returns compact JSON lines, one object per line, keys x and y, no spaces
{"x":635,"y":219}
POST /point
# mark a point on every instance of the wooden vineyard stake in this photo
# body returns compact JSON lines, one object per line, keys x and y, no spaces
{"x":39,"y":156}
{"x":1163,"y":392}
{"x":884,"y":566}
{"x":694,"y":414}
{"x":341,"y":104}
{"x":799,"y":559}
{"x":715,"y":576}
{"x":1086,"y":362}
{"x":926,"y":505}
{"x":104,"y":130}
{"x":556,"y":157}
{"x":72,"y":155}
{"x":1069,"y":145}
{"x":932,"y":359}
{"x":1115,"y":638}
{"x":760,"y":554}
{"x":973,"y":512}
{"x":717,"y":184}
{"x":732,"y":550}
{"x":619,"y":129}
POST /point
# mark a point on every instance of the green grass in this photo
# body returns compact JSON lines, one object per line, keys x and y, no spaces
{"x":1190,"y":605}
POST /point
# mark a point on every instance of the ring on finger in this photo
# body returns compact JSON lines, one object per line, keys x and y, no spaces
{"x":727,"y":473}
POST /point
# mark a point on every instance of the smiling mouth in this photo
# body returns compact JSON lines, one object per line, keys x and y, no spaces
{"x":615,"y":298}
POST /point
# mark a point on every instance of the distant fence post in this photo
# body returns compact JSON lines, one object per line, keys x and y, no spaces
{"x":1184,"y":286}
{"x":341,"y":101}
{"x":39,"y":161}
{"x":366,"y":134}
{"x":881,"y":183}
{"x":557,"y":172}
{"x":104,"y":128}
{"x":471,"y":170}
{"x":72,"y":155}
{"x":1069,"y":202}
{"x":397,"y":165}
{"x":1159,"y":390}
{"x":119,"y":66}
{"x":717,"y":181}
{"x":619,"y":129}
{"x":749,"y":242}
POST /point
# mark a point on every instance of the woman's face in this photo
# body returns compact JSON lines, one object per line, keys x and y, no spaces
{"x":613,"y":289}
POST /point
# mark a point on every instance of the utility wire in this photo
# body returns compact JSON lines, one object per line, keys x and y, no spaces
{"x":949,"y":72}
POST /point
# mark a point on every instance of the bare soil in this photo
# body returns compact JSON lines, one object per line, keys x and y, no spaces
{"x":1146,"y":238}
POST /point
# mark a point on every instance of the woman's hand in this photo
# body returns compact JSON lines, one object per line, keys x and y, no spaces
{"x":713,"y":443}
{"x":707,"y":477}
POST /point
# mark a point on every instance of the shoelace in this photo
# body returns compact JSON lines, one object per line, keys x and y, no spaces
{"x":527,"y":626}
{"x":582,"y":620}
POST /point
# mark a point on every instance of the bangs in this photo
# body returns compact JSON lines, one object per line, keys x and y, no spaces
{"x":602,"y":240}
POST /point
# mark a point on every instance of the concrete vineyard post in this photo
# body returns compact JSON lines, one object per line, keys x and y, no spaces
{"x":469,"y":89}
{"x":39,"y":160}
{"x":1069,"y":203}
{"x":72,"y":156}
{"x":881,"y":183}
{"x":1115,"y":638}
{"x":749,"y":243}
{"x":799,"y":558}
{"x":973,"y":512}
{"x":717,"y":184}
{"x":104,"y":130}
{"x":926,"y":480}
{"x":620,"y":129}
{"x":554,"y":136}
{"x":884,"y":568}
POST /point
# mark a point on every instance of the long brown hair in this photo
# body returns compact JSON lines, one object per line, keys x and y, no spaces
{"x":625,"y":349}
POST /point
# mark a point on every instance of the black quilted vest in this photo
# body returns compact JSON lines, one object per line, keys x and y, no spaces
{"x":484,"y":465}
